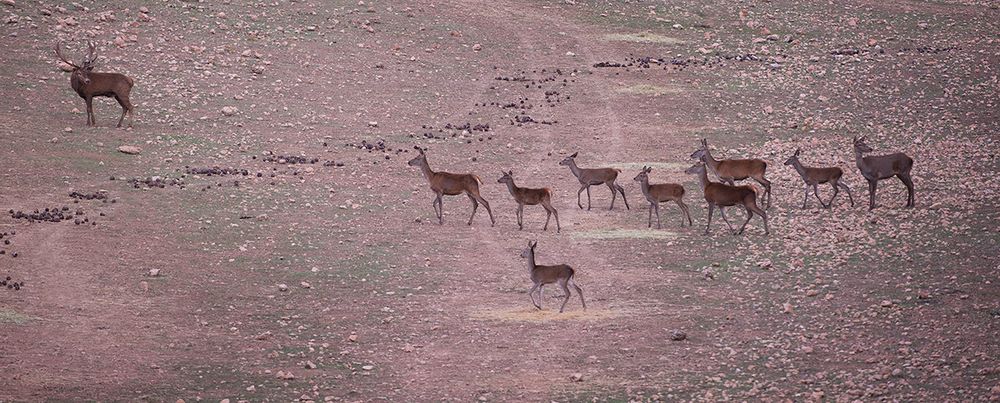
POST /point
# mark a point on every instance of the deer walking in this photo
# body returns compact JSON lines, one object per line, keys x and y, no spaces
{"x":730,"y":171}
{"x":658,"y":193}
{"x":594,"y":176}
{"x":876,"y":168}
{"x":541,"y":275}
{"x":444,"y":183}
{"x":722,"y":195}
{"x":531,"y":197}
{"x":815,"y":176}
{"x":89,"y":84}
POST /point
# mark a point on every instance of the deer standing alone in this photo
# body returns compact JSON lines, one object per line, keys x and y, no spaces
{"x":541,"y":275}
{"x":444,"y":183}
{"x":814,"y":176}
{"x":722,"y":195}
{"x":730,"y":171}
{"x":594,"y":176}
{"x":89,"y":84}
{"x":876,"y":168}
{"x":661,"y":192}
{"x":531,"y":197}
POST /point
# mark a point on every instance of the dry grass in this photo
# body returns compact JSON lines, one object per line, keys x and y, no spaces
{"x":648,"y":89}
{"x":550,"y":313}
{"x":643,"y":37}
{"x":625,"y":234}
{"x":14,"y":317}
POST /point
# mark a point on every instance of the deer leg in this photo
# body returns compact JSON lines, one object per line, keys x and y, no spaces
{"x":578,"y":196}
{"x":649,"y":218}
{"x":531,"y":294}
{"x":578,"y":292}
{"x":566,"y":295}
{"x":722,"y":212}
{"x":588,"y":197}
{"x":910,"y":202}
{"x":622,"y":191}
{"x":614,"y":194}
{"x":805,"y":200}
{"x":709,"y":224}
{"x":753,"y":207}
{"x":836,"y":190}
{"x":91,"y":121}
{"x":816,"y":192}
{"x":548,"y":215}
{"x":125,"y":108}
{"x":475,"y":206}
{"x":555,"y":213}
{"x":749,"y":216}
{"x":438,"y":209}
{"x":520,"y":216}
{"x":658,"y":225}
{"x":541,"y":295}
{"x":767,"y":189}
{"x":872,"y":186}
{"x":848,"y":190}
{"x":684,"y":212}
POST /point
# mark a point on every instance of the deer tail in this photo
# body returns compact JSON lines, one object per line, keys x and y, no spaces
{"x":476,"y":177}
{"x":131,"y":82}
{"x":619,"y":170}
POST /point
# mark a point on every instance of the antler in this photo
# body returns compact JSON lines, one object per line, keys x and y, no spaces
{"x":63,"y":58}
{"x":91,"y":53}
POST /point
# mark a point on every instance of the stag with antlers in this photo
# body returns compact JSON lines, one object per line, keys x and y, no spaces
{"x":89,"y":84}
{"x":444,"y":183}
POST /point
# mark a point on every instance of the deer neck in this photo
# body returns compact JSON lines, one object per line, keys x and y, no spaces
{"x":703,"y":177}
{"x":644,"y":185}
{"x":512,"y":188}
{"x":859,"y":158}
{"x":799,"y":168}
{"x":531,"y":261}
{"x":710,"y":163}
{"x":573,"y":168}
{"x":426,"y":169}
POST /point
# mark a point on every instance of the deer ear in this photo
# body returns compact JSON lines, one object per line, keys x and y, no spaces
{"x":510,"y":172}
{"x":797,"y":151}
{"x":574,"y":154}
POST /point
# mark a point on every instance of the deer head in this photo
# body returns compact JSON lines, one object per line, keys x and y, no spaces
{"x":695,"y":169}
{"x":506,"y":177}
{"x":794,"y":159}
{"x":644,"y":175}
{"x":81,"y":71}
{"x":420,"y":159}
{"x":530,"y":250}
{"x":568,"y":160}
{"x":859,"y":145}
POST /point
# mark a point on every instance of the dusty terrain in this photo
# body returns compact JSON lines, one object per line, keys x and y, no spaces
{"x":328,"y":278}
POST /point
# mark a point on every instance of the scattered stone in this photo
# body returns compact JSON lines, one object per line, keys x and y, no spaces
{"x":283,"y":287}
{"x":576,"y":377}
{"x":678,"y":335}
{"x":229,"y":110}
{"x":130,"y":150}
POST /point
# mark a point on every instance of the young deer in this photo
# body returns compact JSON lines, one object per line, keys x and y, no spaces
{"x":531,"y":197}
{"x":89,"y":84}
{"x":658,"y":193}
{"x":729,"y":171}
{"x":815,"y":176}
{"x":594,"y":176}
{"x":541,"y":275}
{"x":444,"y":183}
{"x":881,"y":167}
{"x":721,"y":195}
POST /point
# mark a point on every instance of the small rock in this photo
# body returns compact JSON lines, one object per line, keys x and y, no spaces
{"x":764,"y":264}
{"x":352,"y":338}
{"x":787,"y":307}
{"x":229,"y":110}
{"x":154,"y":272}
{"x":258,"y":69}
{"x":131,"y":150}
{"x":8,"y":2}
{"x":68,"y":130}
{"x":477,"y":47}
{"x":368,"y":367}
{"x":283,"y":287}
{"x":373,"y":124}
{"x":678,"y":335}
{"x":305,"y":285}
{"x":576,"y":377}
{"x":310,"y":365}
{"x":886,"y":303}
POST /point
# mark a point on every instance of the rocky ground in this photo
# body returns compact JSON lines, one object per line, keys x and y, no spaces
{"x":257,"y":234}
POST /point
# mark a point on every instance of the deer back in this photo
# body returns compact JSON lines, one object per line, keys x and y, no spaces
{"x":721,"y":194}
{"x":884,"y":166}
{"x":531,"y":196}
{"x":664,"y":191}
{"x":454,"y":184}
{"x":822,"y":174}
{"x":551,"y":274}
{"x":740,"y":169}
{"x":101,"y":84}
{"x":595,"y":176}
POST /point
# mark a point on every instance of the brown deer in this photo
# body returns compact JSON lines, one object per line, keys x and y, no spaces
{"x":444,"y":183}
{"x":89,"y":84}
{"x":721,"y":195}
{"x":729,"y":171}
{"x":541,"y":275}
{"x":594,"y":176}
{"x":530,"y":197}
{"x":658,"y":193}
{"x":816,"y":176}
{"x":876,"y":168}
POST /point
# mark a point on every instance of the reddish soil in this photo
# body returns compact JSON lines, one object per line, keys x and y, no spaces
{"x":329,"y":278}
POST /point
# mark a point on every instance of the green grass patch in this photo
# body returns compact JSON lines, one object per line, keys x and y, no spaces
{"x":13,"y":317}
{"x":649,"y":89}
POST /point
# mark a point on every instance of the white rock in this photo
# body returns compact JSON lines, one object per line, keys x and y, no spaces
{"x":229,"y":110}
{"x":131,"y":150}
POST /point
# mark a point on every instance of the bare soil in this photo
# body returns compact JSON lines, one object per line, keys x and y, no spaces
{"x":284,"y":250}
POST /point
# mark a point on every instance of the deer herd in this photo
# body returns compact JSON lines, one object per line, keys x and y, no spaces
{"x":725,"y":193}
